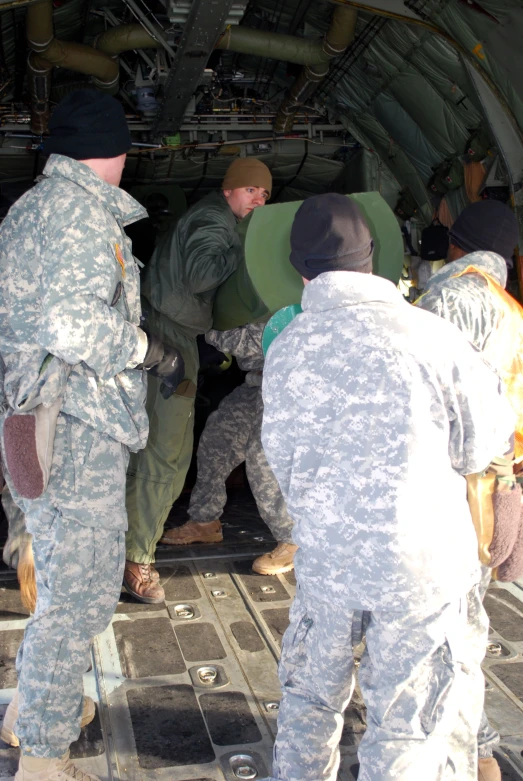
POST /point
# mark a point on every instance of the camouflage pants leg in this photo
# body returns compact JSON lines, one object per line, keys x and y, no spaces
{"x":413,"y":675}
{"x":266,"y":491}
{"x":221,"y":449}
{"x":78,"y":527}
{"x":79,"y":573}
{"x":488,"y":737}
{"x":17,"y":536}
{"x":422,"y":683}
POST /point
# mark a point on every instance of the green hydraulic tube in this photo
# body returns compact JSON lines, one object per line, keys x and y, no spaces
{"x":265,"y":281}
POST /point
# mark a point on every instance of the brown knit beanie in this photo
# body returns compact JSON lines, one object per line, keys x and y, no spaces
{"x":247,"y":172}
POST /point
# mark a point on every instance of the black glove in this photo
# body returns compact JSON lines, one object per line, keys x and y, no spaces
{"x":208,"y":355}
{"x":165,"y":362}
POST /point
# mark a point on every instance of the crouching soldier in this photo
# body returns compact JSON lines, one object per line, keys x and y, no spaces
{"x":374,"y":413}
{"x":231,"y":436}
{"x":73,"y":353}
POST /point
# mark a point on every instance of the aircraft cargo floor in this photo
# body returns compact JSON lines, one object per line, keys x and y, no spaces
{"x":187,"y":690}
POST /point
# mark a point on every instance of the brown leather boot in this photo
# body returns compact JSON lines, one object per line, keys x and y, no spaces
{"x":139,"y":583}
{"x":488,"y":769}
{"x":278,"y":561}
{"x":192,"y":531}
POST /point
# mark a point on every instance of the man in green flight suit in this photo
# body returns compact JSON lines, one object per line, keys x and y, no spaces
{"x":186,"y":269}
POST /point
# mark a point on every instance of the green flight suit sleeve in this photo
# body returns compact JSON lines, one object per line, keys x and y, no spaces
{"x":212,"y":251}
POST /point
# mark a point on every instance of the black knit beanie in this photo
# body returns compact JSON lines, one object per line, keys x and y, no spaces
{"x":486,"y":226}
{"x":88,"y":124}
{"x":329,"y":233}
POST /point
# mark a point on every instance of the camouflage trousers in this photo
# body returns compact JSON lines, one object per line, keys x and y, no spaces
{"x":17,"y":535}
{"x":79,"y":562}
{"x":488,"y":737}
{"x":420,"y":677}
{"x":231,"y":436}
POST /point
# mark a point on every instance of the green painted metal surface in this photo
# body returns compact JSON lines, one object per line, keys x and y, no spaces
{"x":277,"y":323}
{"x":266,"y":282}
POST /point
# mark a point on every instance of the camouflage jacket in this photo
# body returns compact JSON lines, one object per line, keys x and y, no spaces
{"x":70,"y":289}
{"x":191,"y":262}
{"x":467,"y":301}
{"x":245,"y":344}
{"x":3,"y":400}
{"x":374,"y":411}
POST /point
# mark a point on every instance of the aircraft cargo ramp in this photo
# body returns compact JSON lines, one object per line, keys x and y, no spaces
{"x":187,"y":690}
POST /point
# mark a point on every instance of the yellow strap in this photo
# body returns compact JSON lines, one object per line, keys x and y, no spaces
{"x":479,"y":496}
{"x":419,"y":298}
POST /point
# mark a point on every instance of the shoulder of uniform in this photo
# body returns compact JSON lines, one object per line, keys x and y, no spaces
{"x":214,"y":204}
{"x":62,"y":201}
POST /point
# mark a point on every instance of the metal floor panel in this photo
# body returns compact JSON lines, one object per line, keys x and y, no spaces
{"x":188,"y":690}
{"x":227,"y":693}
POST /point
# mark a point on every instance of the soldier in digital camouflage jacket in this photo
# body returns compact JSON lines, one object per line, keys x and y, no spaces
{"x":484,"y":236}
{"x":69,"y":330}
{"x":374,"y":412}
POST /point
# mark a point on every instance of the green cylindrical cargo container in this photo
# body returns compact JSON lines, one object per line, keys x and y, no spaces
{"x":265,"y":282}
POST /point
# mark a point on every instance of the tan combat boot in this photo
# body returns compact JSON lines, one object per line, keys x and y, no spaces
{"x":54,"y":769}
{"x":142,"y":582}
{"x":7,"y":732}
{"x":278,"y":561}
{"x":192,"y":531}
{"x":488,"y":769}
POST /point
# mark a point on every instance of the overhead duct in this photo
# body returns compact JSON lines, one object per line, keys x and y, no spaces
{"x":241,"y":40}
{"x":48,"y":52}
{"x":99,"y":61}
{"x":338,"y":37}
{"x":247,"y":40}
{"x":39,"y":85}
{"x":125,"y":37}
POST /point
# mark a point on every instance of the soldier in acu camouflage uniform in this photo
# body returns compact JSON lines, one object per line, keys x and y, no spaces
{"x":484,"y":236}
{"x":232,"y":435}
{"x":18,"y":550}
{"x":69,"y":337}
{"x":374,"y":412}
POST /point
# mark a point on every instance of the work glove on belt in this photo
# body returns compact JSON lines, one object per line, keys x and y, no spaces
{"x":29,"y":430}
{"x":495,"y":501}
{"x":165,"y":362}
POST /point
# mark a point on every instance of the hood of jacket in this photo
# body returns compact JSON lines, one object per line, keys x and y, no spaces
{"x":489,"y":262}
{"x":335,"y":289}
{"x":124,"y":208}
